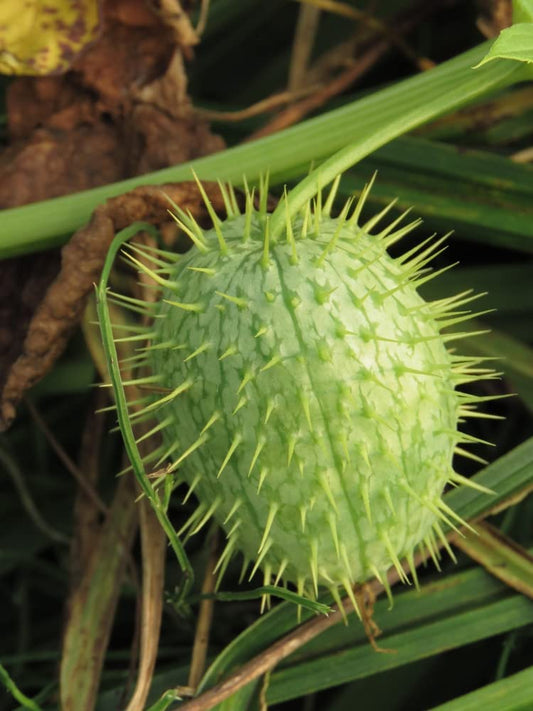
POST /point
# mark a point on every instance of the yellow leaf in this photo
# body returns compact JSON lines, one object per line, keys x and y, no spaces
{"x":45,"y":36}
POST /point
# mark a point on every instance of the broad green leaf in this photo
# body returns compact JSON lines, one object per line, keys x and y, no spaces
{"x":391,"y":691}
{"x":500,"y":556}
{"x":508,"y":477}
{"x":414,"y":641}
{"x":515,"y":693}
{"x":514,"y":43}
{"x":243,"y":700}
{"x":483,"y":197}
{"x":522,"y":11}
{"x":363,"y":126}
{"x":45,"y":36}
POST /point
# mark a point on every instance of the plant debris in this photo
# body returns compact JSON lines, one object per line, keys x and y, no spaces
{"x":61,"y":306}
{"x":121,"y":110}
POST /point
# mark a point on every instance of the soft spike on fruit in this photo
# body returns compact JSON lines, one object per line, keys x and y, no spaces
{"x":259,"y":447}
{"x":391,"y":227}
{"x":412,"y":569}
{"x":279,"y":575}
{"x":233,"y":446}
{"x":336,"y":235}
{"x":230,"y":205}
{"x":444,"y":541}
{"x":373,"y":221}
{"x":262,"y":476}
{"x":154,"y":430}
{"x":273,"y":510}
{"x":230,"y":350}
{"x":354,"y":218}
{"x":196,"y":307}
{"x":192,"y":486}
{"x":326,"y":211}
{"x":237,"y":504}
{"x":289,"y":232}
{"x":207,"y":515}
{"x":214,"y":217}
{"x":264,"y":551}
{"x":334,"y":590}
{"x":303,"y":517}
{"x":193,"y":447}
{"x":224,"y":559}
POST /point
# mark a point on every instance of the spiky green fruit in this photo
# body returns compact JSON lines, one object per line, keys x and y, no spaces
{"x":309,"y":397}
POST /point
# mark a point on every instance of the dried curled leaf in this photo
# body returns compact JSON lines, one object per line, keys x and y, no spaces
{"x":44,"y":36}
{"x":82,"y":258}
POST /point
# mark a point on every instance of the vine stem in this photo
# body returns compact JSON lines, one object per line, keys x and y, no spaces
{"x":123,"y":417}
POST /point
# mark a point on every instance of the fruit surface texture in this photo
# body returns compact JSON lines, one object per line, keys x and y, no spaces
{"x":309,"y":398}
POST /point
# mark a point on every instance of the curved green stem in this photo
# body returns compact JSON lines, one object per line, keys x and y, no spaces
{"x":128,"y":436}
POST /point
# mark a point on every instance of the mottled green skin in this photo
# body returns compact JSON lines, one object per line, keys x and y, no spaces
{"x":342,"y":401}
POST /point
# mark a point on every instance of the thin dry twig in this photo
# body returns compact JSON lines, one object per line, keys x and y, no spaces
{"x":11,"y":467}
{"x":298,"y":111}
{"x":66,"y":460}
{"x":304,"y":38}
{"x":202,"y":18}
{"x":270,"y":103}
{"x":205,"y":616}
{"x":91,"y":606}
{"x":86,"y":527}
{"x":154,"y":544}
{"x":267,"y":660}
{"x":347,"y":78}
{"x":375,"y":25}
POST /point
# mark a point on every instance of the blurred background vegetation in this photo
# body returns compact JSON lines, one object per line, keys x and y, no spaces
{"x":258,"y":68}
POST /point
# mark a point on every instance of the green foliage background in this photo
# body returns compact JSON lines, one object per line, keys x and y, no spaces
{"x":465,"y":632}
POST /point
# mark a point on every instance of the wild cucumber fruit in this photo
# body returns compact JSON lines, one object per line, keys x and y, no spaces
{"x":308,"y":398}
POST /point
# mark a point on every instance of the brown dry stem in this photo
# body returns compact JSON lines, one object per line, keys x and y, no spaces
{"x":357,"y":68}
{"x":284,"y":647}
{"x":302,"y":47}
{"x":270,"y":103}
{"x":205,"y":616}
{"x":154,"y":545}
{"x":87,"y":510}
{"x":91,"y":606}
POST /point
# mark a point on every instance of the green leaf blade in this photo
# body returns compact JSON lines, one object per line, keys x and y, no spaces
{"x":515,"y":693}
{"x":515,"y":43}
